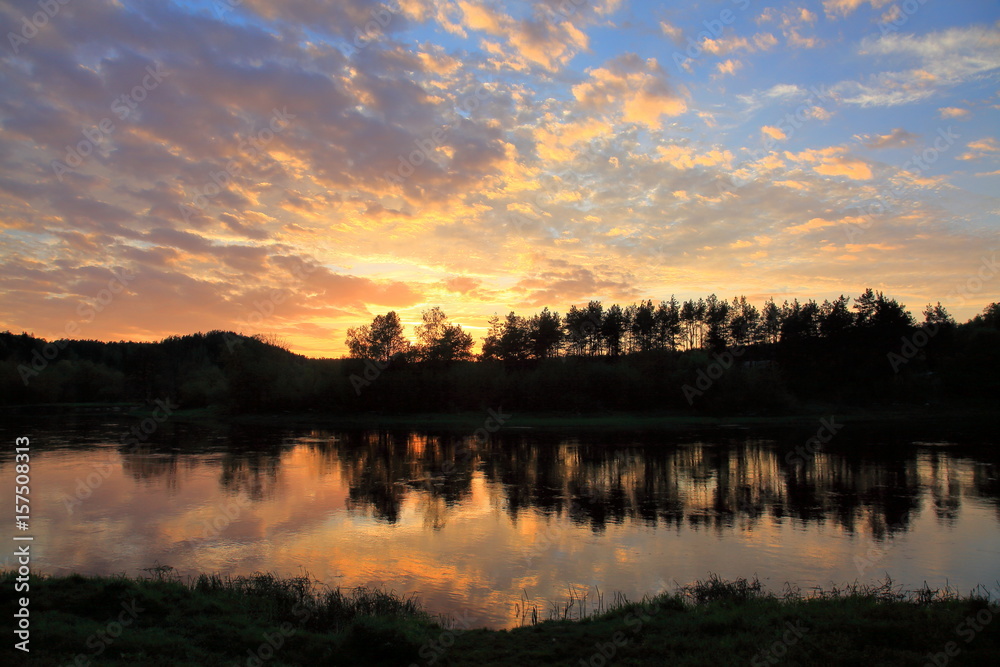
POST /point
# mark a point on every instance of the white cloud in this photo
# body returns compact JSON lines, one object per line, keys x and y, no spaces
{"x":939,"y":60}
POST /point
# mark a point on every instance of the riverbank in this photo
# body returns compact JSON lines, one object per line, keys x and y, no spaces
{"x":975,"y":416}
{"x":261,"y":619}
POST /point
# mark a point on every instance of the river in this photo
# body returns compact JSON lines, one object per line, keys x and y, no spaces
{"x":483,"y":529}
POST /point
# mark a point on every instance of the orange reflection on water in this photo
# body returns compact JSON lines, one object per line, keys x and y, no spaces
{"x":522,"y":516}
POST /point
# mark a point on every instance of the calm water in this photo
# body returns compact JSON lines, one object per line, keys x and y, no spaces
{"x":472,"y":528}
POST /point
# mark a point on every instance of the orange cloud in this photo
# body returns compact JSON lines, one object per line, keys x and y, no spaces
{"x":898,"y":138}
{"x":685,"y":157}
{"x":832,"y":161}
{"x":954,"y":112}
{"x":846,"y":7}
{"x":636,"y":87}
{"x":980,"y":148}
{"x":728,"y":67}
{"x":773,"y":132}
{"x":811,"y":225}
{"x":842,"y":166}
{"x":549,"y":44}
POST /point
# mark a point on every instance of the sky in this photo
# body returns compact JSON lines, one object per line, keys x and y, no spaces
{"x":296,"y":168}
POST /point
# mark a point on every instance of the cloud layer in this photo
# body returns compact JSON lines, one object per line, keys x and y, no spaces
{"x":297,"y":167}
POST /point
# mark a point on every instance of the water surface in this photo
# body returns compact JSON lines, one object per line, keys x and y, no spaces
{"x":474,"y":528}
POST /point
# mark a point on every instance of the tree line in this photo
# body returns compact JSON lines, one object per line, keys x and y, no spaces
{"x":595,"y":331}
{"x":868,"y":352}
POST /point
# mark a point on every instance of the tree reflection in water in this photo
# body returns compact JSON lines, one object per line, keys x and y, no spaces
{"x":718,"y":481}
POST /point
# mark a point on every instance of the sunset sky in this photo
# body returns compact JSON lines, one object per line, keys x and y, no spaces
{"x":298,"y":167}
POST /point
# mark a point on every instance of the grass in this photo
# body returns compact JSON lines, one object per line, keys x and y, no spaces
{"x":262,"y":619}
{"x":215,"y":620}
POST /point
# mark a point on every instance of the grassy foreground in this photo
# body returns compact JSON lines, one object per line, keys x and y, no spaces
{"x":263,"y":620}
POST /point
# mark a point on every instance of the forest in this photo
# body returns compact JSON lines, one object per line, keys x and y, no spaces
{"x":707,"y":355}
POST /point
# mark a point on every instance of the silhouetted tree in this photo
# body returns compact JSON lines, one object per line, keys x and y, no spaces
{"x":744,"y":322}
{"x":716,"y":321}
{"x":821,"y":353}
{"x":545,"y":334}
{"x":668,"y":324}
{"x":835,"y":318}
{"x":771,"y":322}
{"x":700,"y":313}
{"x":613,"y":330}
{"x":882,"y":321}
{"x":800,"y":321}
{"x":940,"y":329}
{"x":381,"y":340}
{"x":642,"y":325}
{"x":892,"y":316}
{"x":688,"y":328}
{"x":866,"y":305}
{"x":508,"y":340}
{"x":938,"y":315}
{"x":990,"y":317}
{"x":594,"y":327}
{"x":441,"y":342}
{"x":576,"y":327}
{"x":491,"y":343}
